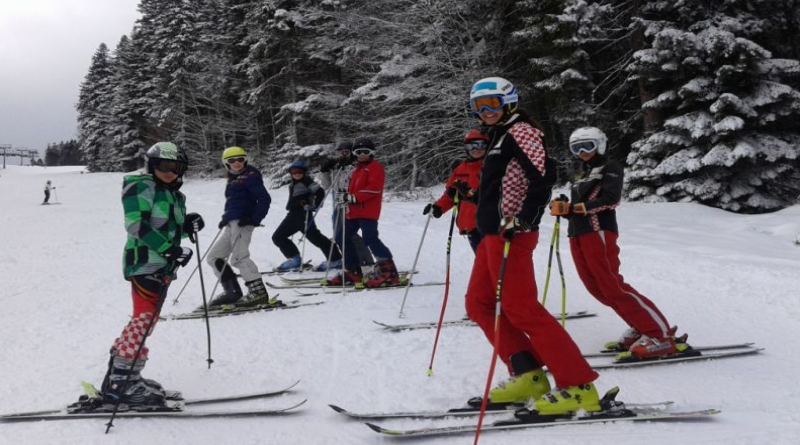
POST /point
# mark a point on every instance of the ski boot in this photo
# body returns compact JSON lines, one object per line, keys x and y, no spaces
{"x":137,"y":395}
{"x":290,"y":264}
{"x":232,"y":293}
{"x":230,"y":286}
{"x":257,"y":295}
{"x":326,"y":266}
{"x":521,"y":388}
{"x":650,"y":347}
{"x":386,"y":275}
{"x":625,"y":341}
{"x":349,"y":277}
{"x":568,"y":400}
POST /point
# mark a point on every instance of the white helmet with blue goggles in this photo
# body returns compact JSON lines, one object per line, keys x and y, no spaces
{"x":587,"y":140}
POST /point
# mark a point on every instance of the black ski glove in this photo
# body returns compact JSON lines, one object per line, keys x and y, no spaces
{"x":328,"y":165}
{"x":179,"y":255}
{"x":437,"y":211}
{"x":193,"y":224}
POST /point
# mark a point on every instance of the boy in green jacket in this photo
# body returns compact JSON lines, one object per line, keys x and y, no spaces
{"x":156,"y":221}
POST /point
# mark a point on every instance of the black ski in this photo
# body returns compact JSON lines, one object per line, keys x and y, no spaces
{"x":473,"y":411}
{"x":609,"y":352}
{"x":165,"y":414}
{"x":464,"y":322}
{"x":559,"y":421}
{"x":694,"y":355}
{"x":190,"y":402}
{"x":320,"y":290}
{"x":240,"y":310}
{"x":611,"y":411}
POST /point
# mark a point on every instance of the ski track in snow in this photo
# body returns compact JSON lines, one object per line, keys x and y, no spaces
{"x":721,"y":277}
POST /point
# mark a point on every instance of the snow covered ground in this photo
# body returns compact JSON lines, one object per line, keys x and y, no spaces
{"x":721,"y":277}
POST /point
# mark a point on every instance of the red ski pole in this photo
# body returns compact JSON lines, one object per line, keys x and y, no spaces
{"x":446,"y":283}
{"x":497,"y":295}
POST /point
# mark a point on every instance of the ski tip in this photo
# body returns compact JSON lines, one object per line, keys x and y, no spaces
{"x":382,"y":430}
{"x":338,"y":409}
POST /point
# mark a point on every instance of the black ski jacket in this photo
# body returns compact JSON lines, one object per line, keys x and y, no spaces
{"x":599,"y":188}
{"x":302,"y":192}
{"x":517,"y":177}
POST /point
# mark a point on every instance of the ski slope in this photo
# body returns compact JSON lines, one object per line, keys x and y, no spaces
{"x":721,"y":277}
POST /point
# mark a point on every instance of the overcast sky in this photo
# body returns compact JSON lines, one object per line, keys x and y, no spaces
{"x":46,"y":47}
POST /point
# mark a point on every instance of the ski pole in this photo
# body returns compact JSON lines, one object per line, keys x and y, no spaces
{"x":453,"y":218}
{"x":343,"y":211}
{"x":497,"y":311}
{"x":330,"y":250}
{"x":550,"y":261}
{"x":196,"y":240}
{"x":414,"y":267}
{"x":166,"y":278}
{"x":175,"y":301}
{"x":557,"y":230}
{"x":303,"y":242}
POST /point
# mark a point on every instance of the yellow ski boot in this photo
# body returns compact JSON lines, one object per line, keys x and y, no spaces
{"x":521,"y":388}
{"x":569,"y":400}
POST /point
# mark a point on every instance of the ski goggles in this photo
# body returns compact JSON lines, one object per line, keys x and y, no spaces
{"x":486,"y":103}
{"x":363,"y":151}
{"x":579,"y":147}
{"x":179,"y":168}
{"x":475,"y":145}
{"x":231,"y":161}
{"x":296,"y":171}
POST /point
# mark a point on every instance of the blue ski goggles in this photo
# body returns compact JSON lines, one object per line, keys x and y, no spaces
{"x":579,"y":147}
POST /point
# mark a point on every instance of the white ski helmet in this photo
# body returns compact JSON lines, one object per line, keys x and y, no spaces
{"x":494,"y":87}
{"x":587,"y":140}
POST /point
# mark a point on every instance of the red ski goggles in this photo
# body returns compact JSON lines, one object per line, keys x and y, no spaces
{"x":484,"y":103}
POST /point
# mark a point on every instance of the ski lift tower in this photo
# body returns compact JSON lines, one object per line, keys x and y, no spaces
{"x":5,"y":148}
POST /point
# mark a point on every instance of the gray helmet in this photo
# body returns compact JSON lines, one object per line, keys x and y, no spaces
{"x":165,"y":151}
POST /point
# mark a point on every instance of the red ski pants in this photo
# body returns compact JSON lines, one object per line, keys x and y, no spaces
{"x":524,"y":325}
{"x":596,"y":256}
{"x":145,"y":291}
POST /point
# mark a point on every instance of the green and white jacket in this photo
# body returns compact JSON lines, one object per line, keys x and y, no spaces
{"x":154,"y":216}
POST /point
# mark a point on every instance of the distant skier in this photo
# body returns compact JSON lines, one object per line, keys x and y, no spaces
{"x":362,"y":202}
{"x":593,"y":233}
{"x":515,"y":187}
{"x":463,"y":182}
{"x":334,"y":176}
{"x":246,"y":205}
{"x":305,"y":196}
{"x":156,"y":221}
{"x":47,"y":187}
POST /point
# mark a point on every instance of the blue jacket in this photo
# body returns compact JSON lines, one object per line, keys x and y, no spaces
{"x":246,"y":197}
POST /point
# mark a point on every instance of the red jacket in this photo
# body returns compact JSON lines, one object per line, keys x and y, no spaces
{"x":366,"y":183}
{"x":468,"y":171}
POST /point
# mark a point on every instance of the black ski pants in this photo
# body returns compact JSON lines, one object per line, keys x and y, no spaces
{"x":293,"y":223}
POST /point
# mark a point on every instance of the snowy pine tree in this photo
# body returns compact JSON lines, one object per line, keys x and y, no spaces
{"x":727,"y":138}
{"x":94,"y":117}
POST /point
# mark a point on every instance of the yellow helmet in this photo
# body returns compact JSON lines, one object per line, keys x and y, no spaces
{"x":233,"y":152}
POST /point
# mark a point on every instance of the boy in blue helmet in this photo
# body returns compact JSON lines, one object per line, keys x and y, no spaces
{"x":305,"y":196}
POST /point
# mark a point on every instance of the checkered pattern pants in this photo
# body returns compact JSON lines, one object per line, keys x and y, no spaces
{"x":145,"y":291}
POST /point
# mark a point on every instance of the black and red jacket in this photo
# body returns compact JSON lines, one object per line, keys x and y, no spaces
{"x":599,"y":188}
{"x":517,"y":177}
{"x":469,"y":171}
